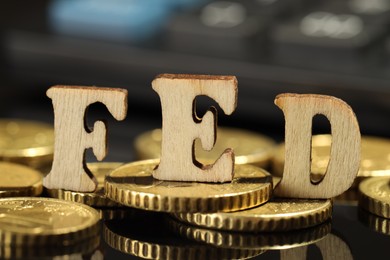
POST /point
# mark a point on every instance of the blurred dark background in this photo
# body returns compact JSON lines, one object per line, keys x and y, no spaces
{"x":335,"y":47}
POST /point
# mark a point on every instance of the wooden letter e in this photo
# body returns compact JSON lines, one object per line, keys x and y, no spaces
{"x":181,"y":126}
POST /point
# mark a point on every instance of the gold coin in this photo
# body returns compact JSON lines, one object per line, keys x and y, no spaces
{"x":42,"y":221}
{"x":244,"y":240}
{"x":133,"y":185}
{"x":249,"y":147}
{"x":375,"y":196}
{"x":276,"y":215}
{"x":26,"y":142}
{"x":19,"y":180}
{"x":147,"y":236}
{"x":378,"y":224}
{"x":97,"y":198}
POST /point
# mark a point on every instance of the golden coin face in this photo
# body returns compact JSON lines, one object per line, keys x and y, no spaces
{"x":375,"y":196}
{"x":19,"y":180}
{"x":25,"y":220}
{"x":19,"y":138}
{"x":133,"y":185}
{"x":249,"y":147}
{"x":375,"y":156}
{"x":276,"y":215}
{"x":97,"y":198}
{"x":247,"y":240}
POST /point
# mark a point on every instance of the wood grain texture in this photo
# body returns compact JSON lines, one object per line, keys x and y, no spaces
{"x":181,"y":126}
{"x":345,"y":149}
{"x":69,"y":171}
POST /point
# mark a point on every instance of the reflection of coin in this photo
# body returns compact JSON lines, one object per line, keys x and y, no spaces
{"x":80,"y":250}
{"x":244,"y":240}
{"x":41,"y":221}
{"x":276,"y":215}
{"x":147,"y":236}
{"x":118,"y":213}
{"x":375,"y":156}
{"x":95,"y":199}
{"x":249,"y":147}
{"x":133,"y":185}
{"x":375,"y":196}
{"x":378,"y":224}
{"x":19,"y":180}
{"x":26,"y":142}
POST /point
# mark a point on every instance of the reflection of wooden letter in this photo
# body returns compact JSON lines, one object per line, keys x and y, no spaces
{"x":181,"y":126}
{"x":345,"y":150}
{"x":69,"y":171}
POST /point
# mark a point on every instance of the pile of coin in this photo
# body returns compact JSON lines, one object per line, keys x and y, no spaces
{"x":151,"y":218}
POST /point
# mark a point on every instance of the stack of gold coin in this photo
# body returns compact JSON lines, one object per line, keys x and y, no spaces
{"x":234,"y":211}
{"x":242,"y":206}
{"x":26,"y":142}
{"x":249,"y":147}
{"x":375,"y":160}
{"x":19,"y":180}
{"x":31,"y":225}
